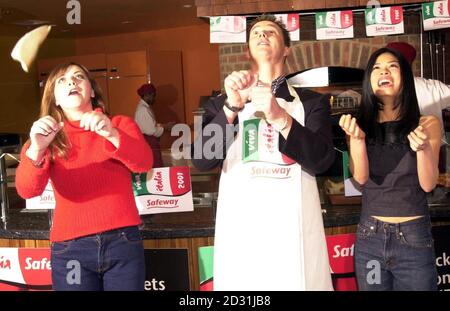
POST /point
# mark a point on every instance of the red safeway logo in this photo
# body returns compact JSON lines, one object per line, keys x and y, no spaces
{"x":35,"y":266}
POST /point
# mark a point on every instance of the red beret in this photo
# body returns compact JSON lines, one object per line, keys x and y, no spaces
{"x":147,"y":88}
{"x":406,"y":49}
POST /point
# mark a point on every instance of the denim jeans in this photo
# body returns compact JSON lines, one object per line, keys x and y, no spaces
{"x":395,"y":256}
{"x":111,"y":260}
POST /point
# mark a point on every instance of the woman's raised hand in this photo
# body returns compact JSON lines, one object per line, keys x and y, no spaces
{"x":96,"y":121}
{"x":43,"y":132}
{"x":418,"y":139}
{"x":350,"y":127}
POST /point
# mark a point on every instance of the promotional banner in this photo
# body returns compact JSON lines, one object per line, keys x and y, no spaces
{"x":341,"y":255}
{"x":167,"y":269}
{"x":227,"y":29}
{"x":436,"y":15}
{"x":160,"y":190}
{"x":25,"y":269}
{"x":206,"y":267}
{"x":441,"y":236}
{"x":163,"y":190}
{"x":340,"y":252}
{"x":334,"y":25}
{"x":292,"y":22}
{"x":45,"y":201}
{"x":384,"y":21}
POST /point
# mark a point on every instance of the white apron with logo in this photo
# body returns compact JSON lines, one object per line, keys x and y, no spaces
{"x":269,"y":229}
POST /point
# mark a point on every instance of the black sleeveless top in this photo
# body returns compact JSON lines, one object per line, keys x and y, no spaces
{"x":393,"y":188}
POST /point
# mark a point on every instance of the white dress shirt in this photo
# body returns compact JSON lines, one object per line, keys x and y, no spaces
{"x":433,"y":96}
{"x":145,"y":118}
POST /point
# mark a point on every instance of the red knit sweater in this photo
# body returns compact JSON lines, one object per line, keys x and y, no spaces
{"x":93,"y":190}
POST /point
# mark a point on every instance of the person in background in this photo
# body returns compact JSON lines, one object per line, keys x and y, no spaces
{"x":88,"y":156}
{"x":432,"y":95}
{"x":269,"y":230}
{"x":394,"y":154}
{"x":145,"y":118}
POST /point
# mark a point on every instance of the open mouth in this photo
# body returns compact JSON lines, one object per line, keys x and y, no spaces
{"x":74,"y":92}
{"x":385,"y":82}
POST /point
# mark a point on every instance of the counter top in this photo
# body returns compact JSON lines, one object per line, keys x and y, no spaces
{"x":32,"y":225}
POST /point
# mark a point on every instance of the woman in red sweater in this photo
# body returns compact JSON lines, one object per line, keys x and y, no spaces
{"x":88,"y":156}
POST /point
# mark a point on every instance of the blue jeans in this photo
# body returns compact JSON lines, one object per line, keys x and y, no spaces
{"x":111,"y":260}
{"x":395,"y":256}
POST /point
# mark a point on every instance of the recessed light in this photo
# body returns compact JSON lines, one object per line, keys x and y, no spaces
{"x":126,"y":22}
{"x":187,"y":6}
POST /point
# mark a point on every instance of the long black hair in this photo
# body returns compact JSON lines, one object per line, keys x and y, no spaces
{"x":409,"y":113}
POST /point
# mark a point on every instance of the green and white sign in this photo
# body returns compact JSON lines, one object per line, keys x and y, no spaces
{"x":227,"y":29}
{"x":384,"y":21}
{"x":334,"y":25}
{"x":163,"y":190}
{"x":436,"y":15}
{"x":292,"y":23}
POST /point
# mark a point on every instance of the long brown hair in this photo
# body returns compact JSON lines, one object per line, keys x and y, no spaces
{"x":60,"y":145}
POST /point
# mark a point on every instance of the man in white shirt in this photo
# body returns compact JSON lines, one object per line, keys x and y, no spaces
{"x":144,"y":115}
{"x":145,"y":118}
{"x":432,"y":95}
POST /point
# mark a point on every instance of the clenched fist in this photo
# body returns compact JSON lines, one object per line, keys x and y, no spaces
{"x":350,"y":127}
{"x":238,"y":85}
{"x":43,"y":132}
{"x":418,"y":139}
{"x":96,"y":121}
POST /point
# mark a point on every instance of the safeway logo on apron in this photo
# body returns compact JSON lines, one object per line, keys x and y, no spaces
{"x":260,"y":144}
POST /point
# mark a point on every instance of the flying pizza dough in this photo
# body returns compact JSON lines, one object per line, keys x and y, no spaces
{"x":27,"y":47}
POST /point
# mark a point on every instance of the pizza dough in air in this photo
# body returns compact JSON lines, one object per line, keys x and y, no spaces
{"x":26,"y":48}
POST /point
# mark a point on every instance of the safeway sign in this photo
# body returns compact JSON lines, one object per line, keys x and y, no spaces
{"x":441,"y":236}
{"x":25,"y":268}
{"x":341,"y":249}
{"x":30,"y":269}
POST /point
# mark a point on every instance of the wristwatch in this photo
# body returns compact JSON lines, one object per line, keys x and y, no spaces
{"x":232,"y":108}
